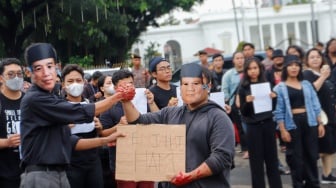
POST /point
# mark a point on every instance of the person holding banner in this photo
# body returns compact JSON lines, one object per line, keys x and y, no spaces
{"x":260,"y":127}
{"x":209,"y":132}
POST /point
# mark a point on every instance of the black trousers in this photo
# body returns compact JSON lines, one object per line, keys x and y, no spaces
{"x":236,"y":118}
{"x":86,"y":176}
{"x":262,"y":149}
{"x":302,"y":153}
{"x":10,"y":183}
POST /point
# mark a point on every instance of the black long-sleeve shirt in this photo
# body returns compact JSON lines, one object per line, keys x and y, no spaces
{"x":247,"y":110}
{"x":45,"y":134}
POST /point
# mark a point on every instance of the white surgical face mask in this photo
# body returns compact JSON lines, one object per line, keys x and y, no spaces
{"x":15,"y":84}
{"x":110,"y":90}
{"x":75,"y":89}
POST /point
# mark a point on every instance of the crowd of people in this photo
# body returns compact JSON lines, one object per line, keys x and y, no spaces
{"x":43,"y":111}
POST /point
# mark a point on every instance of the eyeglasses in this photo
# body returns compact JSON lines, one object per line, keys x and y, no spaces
{"x":164,"y":69}
{"x":12,"y":74}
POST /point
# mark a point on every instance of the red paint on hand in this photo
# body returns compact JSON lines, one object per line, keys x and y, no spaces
{"x":181,"y":179}
{"x":127,"y":90}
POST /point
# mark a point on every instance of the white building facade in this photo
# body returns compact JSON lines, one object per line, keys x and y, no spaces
{"x":290,"y":25}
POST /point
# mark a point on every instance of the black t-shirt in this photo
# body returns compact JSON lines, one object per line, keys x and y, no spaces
{"x":9,"y":124}
{"x":326,"y":94}
{"x":217,"y":81}
{"x":109,"y":119}
{"x":162,"y":96}
{"x":85,"y":157}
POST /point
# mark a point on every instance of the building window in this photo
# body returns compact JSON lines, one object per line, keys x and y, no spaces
{"x":254,"y":36}
{"x":266,"y":30}
{"x":291,"y":33}
{"x":279,"y":39}
{"x":303,"y":35}
{"x":172,"y":52}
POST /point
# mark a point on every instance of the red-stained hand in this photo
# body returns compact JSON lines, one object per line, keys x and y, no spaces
{"x":127,"y":90}
{"x":181,"y":179}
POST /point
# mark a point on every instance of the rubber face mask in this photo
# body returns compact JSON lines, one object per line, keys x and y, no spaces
{"x":110,"y":90}
{"x":75,"y":89}
{"x":15,"y":84}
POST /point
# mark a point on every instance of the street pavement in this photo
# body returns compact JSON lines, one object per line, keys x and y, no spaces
{"x":241,"y":178}
{"x":240,"y":175}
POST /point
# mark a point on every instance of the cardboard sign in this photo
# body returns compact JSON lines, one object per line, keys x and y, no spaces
{"x":150,"y":152}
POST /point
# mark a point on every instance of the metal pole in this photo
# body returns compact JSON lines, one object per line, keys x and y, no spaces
{"x":258,"y":24}
{"x":332,"y":24}
{"x":313,"y":21}
{"x":236,"y":20}
{"x":242,"y":11}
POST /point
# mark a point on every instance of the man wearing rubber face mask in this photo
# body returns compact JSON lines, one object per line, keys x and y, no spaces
{"x":46,"y":140}
{"x":10,"y":98}
{"x":209,"y":135}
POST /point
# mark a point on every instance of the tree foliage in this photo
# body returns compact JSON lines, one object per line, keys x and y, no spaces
{"x":151,"y":51}
{"x":101,"y":28}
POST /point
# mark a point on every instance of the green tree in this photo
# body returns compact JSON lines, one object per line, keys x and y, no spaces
{"x":103,"y":28}
{"x":151,"y":51}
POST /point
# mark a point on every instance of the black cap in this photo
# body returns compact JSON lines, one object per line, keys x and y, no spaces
{"x":135,"y":56}
{"x":291,"y":59}
{"x":153,"y":62}
{"x":277,"y":53}
{"x":39,"y":51}
{"x":191,"y":70}
{"x":202,"y":52}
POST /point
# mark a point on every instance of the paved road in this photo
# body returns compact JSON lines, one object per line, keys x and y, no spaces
{"x":240,"y":176}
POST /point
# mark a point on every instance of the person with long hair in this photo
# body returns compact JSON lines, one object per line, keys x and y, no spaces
{"x":330,"y":53}
{"x":318,"y":72}
{"x":295,"y":50}
{"x":297,"y":114}
{"x":230,"y":83}
{"x":260,"y":129}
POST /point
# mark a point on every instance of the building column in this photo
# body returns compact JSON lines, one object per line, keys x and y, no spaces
{"x":285,"y":34}
{"x":273,"y":36}
{"x":309,"y":32}
{"x":297,"y":34}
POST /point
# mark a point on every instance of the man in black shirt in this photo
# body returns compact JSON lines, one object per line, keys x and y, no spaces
{"x":164,"y":92}
{"x":45,"y":134}
{"x":10,"y":97}
{"x":91,"y":90}
{"x":217,"y":72}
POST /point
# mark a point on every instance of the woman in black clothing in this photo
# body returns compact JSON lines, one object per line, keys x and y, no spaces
{"x":318,"y":72}
{"x":260,"y":129}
